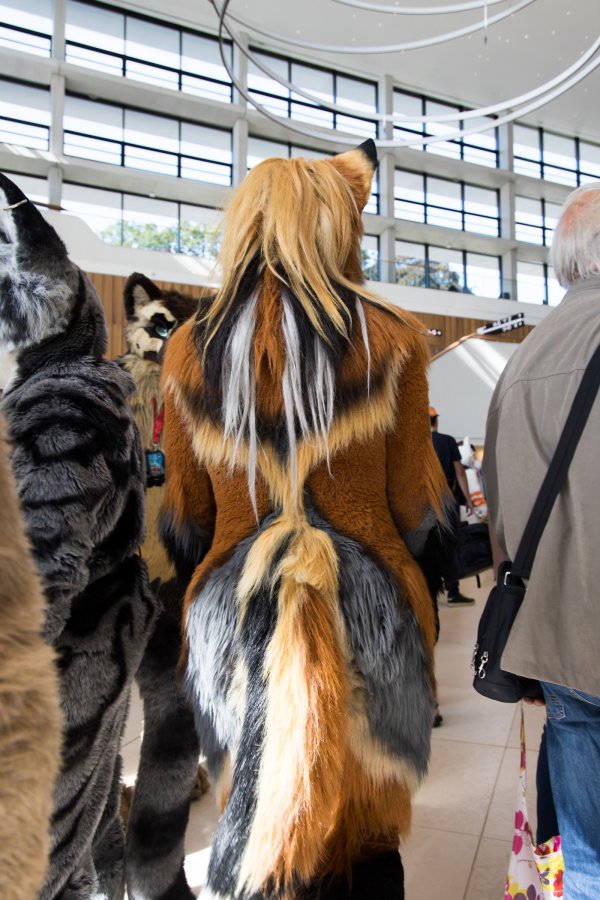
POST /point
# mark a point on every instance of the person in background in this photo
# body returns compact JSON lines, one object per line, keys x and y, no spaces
{"x":449,"y":456}
{"x":555,"y":638}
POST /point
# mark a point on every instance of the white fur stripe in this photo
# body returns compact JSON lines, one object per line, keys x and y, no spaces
{"x":239,"y":389}
{"x":365,"y":336}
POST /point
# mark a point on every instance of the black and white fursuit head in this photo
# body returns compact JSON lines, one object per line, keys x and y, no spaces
{"x":77,"y":461}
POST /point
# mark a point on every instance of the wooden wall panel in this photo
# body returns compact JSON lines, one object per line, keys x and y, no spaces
{"x":110,"y":291}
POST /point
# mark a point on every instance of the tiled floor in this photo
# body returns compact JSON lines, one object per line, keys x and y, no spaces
{"x":463,"y":814}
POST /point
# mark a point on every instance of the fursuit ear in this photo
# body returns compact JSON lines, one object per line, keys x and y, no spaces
{"x":358,"y":166}
{"x":26,"y":234}
{"x":139,"y":291}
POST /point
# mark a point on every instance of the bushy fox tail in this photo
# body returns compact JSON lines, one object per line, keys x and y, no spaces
{"x":306,"y":696}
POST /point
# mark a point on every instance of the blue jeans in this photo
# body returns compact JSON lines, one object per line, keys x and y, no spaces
{"x":573,"y":740}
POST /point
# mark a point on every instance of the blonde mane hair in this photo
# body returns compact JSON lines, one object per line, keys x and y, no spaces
{"x":302,"y":219}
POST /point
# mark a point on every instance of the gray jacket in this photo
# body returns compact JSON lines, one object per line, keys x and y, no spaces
{"x":555,"y":636}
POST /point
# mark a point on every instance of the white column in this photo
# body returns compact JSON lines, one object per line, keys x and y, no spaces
{"x":57,"y":112}
{"x":387,"y":165}
{"x":240,"y":128}
{"x":505,"y":146}
{"x":240,"y":151}
{"x":59,"y":13}
{"x":55,"y":180}
{"x":508,"y":209}
{"x":240,"y":67}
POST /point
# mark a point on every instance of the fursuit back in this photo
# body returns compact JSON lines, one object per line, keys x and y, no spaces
{"x":301,"y":489}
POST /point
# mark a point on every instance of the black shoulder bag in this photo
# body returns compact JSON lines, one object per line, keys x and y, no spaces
{"x":506,"y":596}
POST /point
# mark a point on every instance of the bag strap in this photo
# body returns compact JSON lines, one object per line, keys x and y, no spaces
{"x":553,"y":480}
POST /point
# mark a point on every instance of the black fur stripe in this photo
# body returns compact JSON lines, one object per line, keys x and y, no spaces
{"x":234,"y":827}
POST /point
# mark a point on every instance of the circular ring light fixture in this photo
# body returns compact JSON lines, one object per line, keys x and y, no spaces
{"x":385,"y":48}
{"x":549,"y":91}
{"x":401,"y":118}
{"x":419,"y":10}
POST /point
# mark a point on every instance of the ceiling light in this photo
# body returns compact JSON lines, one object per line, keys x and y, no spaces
{"x":419,"y":10}
{"x":389,"y":48}
{"x":400,"y":118}
{"x":519,"y":106}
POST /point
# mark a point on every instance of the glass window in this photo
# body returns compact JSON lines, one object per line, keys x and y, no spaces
{"x":408,"y":105}
{"x":206,"y":154}
{"x":210,"y":143}
{"x":409,"y":196}
{"x":36,"y":189}
{"x":529,"y":220}
{"x":445,"y":269}
{"x":151,"y":131}
{"x":102,"y":34}
{"x":269,"y":93}
{"x":372,"y":206}
{"x":481,"y":210}
{"x":148,"y":51}
{"x":24,"y":115}
{"x":483,"y":275}
{"x":199,"y":231}
{"x":146,"y":222}
{"x":100,"y":209}
{"x":589,"y":159}
{"x":260,"y":81}
{"x":324,"y":86}
{"x":318,"y":83}
{"x":559,"y":158}
{"x":481,"y":147}
{"x":149,"y":223}
{"x":527,"y":150}
{"x":442,"y":148}
{"x":369,"y":253}
{"x":552,"y":213}
{"x":410,"y":264}
{"x":315,"y":81}
{"x":444,"y":203}
{"x":306,"y":153}
{"x":203,"y":70}
{"x":27,"y":26}
{"x":358,"y":95}
{"x":563,"y":176}
{"x":150,"y":41}
{"x":259,"y":149}
{"x":151,"y":142}
{"x":145,"y":141}
{"x":531,"y":282}
{"x":90,"y":117}
{"x":360,"y":127}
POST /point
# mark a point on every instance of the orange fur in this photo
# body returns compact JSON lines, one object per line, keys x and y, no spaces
{"x":368,"y":818}
{"x":30,"y":717}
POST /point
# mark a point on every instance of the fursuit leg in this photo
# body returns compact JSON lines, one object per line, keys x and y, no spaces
{"x":167,"y":775}
{"x":108,"y":849}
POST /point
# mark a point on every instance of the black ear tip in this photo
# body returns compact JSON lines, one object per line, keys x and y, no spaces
{"x":12,"y":192}
{"x":370,"y":150}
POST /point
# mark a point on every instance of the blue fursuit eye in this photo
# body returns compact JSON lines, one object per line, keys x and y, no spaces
{"x":162,"y":331}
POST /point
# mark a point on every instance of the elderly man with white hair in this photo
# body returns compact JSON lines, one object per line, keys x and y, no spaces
{"x":556,"y":636}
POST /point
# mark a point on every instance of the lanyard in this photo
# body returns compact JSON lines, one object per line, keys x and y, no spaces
{"x":159,"y":421}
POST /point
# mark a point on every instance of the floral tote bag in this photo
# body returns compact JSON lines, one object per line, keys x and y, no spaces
{"x":534,"y":872}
